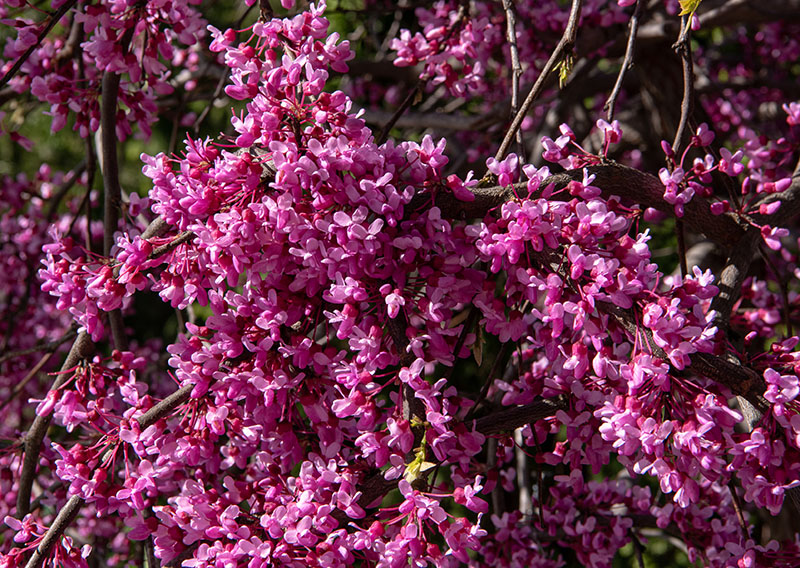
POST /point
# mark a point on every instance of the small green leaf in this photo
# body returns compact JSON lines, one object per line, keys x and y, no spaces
{"x":688,"y":6}
{"x":418,"y":465}
{"x":564,"y":69}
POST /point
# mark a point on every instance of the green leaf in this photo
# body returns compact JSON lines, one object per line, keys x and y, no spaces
{"x":418,"y":465}
{"x":688,"y":6}
{"x":564,"y":69}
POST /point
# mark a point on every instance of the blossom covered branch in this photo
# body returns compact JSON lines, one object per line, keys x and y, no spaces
{"x":386,"y":338}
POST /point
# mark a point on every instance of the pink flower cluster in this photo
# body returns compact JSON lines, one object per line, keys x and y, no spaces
{"x":340,"y":288}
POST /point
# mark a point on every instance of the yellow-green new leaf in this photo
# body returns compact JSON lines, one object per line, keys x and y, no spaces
{"x":688,"y":6}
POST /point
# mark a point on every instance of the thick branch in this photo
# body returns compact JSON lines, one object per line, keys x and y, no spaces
{"x":81,"y":349}
{"x":509,"y":419}
{"x":630,"y":184}
{"x":109,"y":163}
{"x":732,"y":276}
{"x":65,"y":516}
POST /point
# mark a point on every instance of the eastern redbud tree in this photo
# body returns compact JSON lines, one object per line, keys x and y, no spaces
{"x":401,"y":283}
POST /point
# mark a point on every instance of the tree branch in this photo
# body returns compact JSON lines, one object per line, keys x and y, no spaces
{"x":511,"y":418}
{"x":627,"y":61}
{"x":81,"y":349}
{"x":51,"y":22}
{"x":563,"y":47}
{"x":630,"y":184}
{"x":165,"y":407}
{"x":70,"y":510}
{"x":65,"y":516}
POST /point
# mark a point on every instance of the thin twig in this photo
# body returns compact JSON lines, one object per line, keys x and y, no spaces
{"x":174,"y":243}
{"x":81,"y":348}
{"x":50,"y":349}
{"x":684,"y":49}
{"x":516,"y":67}
{"x":404,"y":106}
{"x":627,"y":61}
{"x":51,"y":22}
{"x":20,"y":386}
{"x":499,"y":360}
{"x":49,"y":346}
{"x":737,"y":507}
{"x":65,"y":516}
{"x":564,"y":47}
{"x":266,"y":11}
{"x":417,"y":90}
{"x":638,"y":550}
{"x":680,"y":233}
{"x":69,"y":181}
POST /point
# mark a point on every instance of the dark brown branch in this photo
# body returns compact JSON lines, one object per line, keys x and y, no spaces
{"x":68,"y":513}
{"x":165,"y":407}
{"x":109,"y":163}
{"x":112,"y":191}
{"x":81,"y":349}
{"x":627,"y":183}
{"x":51,"y":22}
{"x":732,"y":276}
{"x":173,"y":244}
{"x":65,"y":516}
{"x":684,"y":48}
{"x":627,"y":61}
{"x":563,"y":48}
{"x":516,"y":67}
{"x":509,"y":419}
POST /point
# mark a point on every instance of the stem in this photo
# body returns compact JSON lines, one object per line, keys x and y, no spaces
{"x":70,"y":510}
{"x":110,"y":169}
{"x":516,"y":67}
{"x":65,"y":516}
{"x":684,"y":48}
{"x":51,"y":22}
{"x":564,"y":46}
{"x":81,"y":349}
{"x":627,"y":61}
